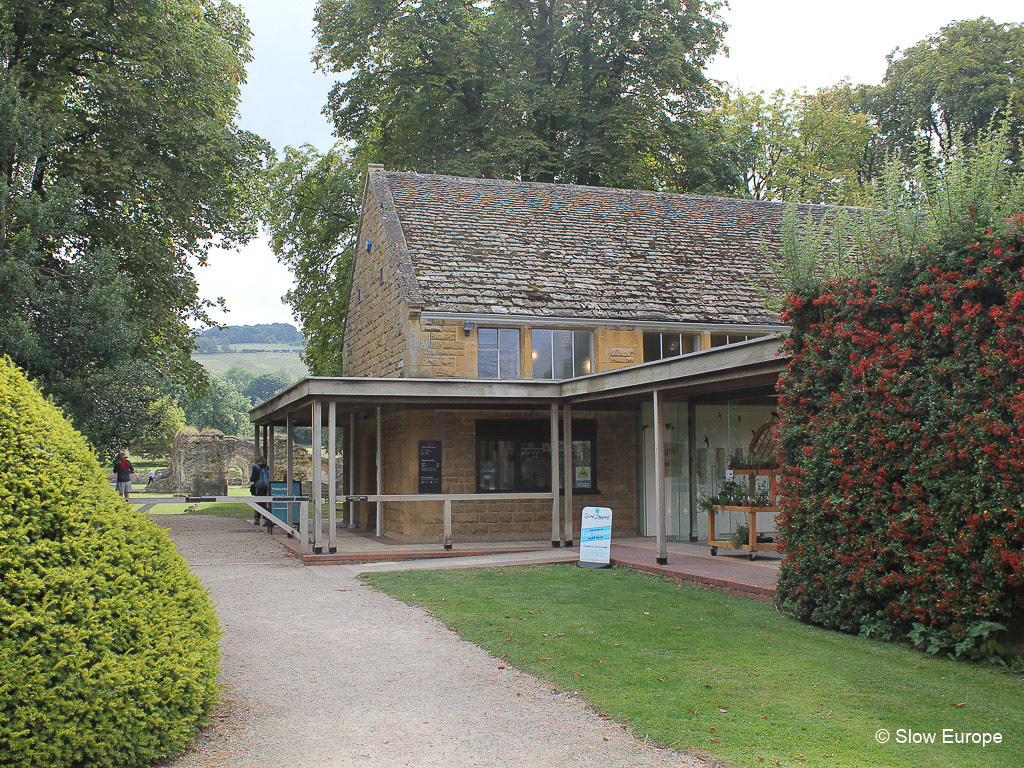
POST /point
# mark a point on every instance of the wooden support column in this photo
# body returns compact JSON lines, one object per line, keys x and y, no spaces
{"x":567,"y":473}
{"x":555,"y":540}
{"x":350,"y":465}
{"x":270,"y":449}
{"x":691,"y":447}
{"x":332,"y":480}
{"x":447,"y":541}
{"x":316,"y":468}
{"x":380,"y":473}
{"x":303,"y":527}
{"x":704,"y":342}
{"x":289,"y":428}
{"x":256,"y":441}
{"x":659,"y":474}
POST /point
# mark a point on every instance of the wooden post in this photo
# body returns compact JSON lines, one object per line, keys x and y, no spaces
{"x":332,"y":481}
{"x":448,"y":524}
{"x":270,"y":450}
{"x":555,"y":541}
{"x":316,"y":465}
{"x":303,"y":527}
{"x":350,"y":464}
{"x":704,"y":342}
{"x":659,"y":474}
{"x":289,"y":428}
{"x":568,"y":473}
{"x":256,"y":441}
{"x":691,"y":445}
{"x":380,"y":474}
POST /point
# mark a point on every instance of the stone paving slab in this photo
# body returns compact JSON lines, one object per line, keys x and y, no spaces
{"x":321,"y":671}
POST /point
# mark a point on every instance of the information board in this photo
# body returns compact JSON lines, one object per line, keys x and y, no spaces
{"x":430,"y":466}
{"x":596,"y":537}
{"x":279,"y":509}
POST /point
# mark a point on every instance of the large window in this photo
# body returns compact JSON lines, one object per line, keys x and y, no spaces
{"x":658,"y":346}
{"x":514,"y":455}
{"x":497,"y":353}
{"x":562,"y":354}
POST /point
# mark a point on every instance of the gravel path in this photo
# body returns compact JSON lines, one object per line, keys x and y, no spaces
{"x":320,"y":670}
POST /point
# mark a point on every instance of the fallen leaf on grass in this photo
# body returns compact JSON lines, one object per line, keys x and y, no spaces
{"x":961,"y":704}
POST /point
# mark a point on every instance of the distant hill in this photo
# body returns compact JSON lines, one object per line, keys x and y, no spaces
{"x":266,"y":348}
{"x":272,"y":333}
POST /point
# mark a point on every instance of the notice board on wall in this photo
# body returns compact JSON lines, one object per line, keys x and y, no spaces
{"x":430,"y":466}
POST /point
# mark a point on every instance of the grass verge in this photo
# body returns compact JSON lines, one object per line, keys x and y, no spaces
{"x":732,"y":677}
{"x":221,"y":509}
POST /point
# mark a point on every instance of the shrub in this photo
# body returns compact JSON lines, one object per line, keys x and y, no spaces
{"x":903,"y":450}
{"x":108,"y":649}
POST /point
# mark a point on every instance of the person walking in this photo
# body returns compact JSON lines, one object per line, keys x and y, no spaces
{"x":123,"y":470}
{"x":259,"y":480}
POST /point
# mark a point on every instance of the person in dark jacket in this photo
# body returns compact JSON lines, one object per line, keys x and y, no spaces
{"x":259,"y":480}
{"x":123,"y":471}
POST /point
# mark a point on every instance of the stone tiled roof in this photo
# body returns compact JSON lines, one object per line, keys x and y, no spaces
{"x":522,"y":248}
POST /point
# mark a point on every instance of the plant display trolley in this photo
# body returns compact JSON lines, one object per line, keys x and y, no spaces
{"x":761,"y":464}
{"x":752,"y":546}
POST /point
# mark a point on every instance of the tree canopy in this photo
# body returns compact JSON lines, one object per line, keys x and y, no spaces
{"x":121,"y":166}
{"x":612,"y":94}
{"x":950,"y":86}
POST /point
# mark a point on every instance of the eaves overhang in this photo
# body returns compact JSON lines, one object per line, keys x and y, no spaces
{"x":758,"y":362}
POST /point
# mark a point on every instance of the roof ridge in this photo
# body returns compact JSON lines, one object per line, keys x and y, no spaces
{"x":619,"y":190}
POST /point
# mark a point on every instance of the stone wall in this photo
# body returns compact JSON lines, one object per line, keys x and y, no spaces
{"x":376,"y":338}
{"x":205,"y":463}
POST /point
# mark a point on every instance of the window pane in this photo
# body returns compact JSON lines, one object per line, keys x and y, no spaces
{"x":719,"y":339}
{"x":542,"y":355}
{"x":508,"y":352}
{"x":582,"y":464}
{"x":561,"y":342}
{"x":691,"y":343}
{"x":487,"y":363}
{"x":652,"y":347}
{"x":535,"y":462}
{"x":582,"y":343}
{"x":670,"y":345}
{"x":496,"y":465}
{"x":487,"y":338}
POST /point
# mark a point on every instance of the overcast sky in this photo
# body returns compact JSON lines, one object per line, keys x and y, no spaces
{"x":789,"y":44}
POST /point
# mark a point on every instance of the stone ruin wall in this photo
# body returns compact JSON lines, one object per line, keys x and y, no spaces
{"x":206,"y":463}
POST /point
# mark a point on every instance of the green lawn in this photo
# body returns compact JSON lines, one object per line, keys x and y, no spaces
{"x":725,"y":675}
{"x":224,"y":509}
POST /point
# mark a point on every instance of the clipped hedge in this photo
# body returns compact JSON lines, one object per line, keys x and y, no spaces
{"x":108,"y":644}
{"x":903,"y":451}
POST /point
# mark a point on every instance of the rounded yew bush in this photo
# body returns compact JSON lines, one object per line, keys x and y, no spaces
{"x":108,"y":644}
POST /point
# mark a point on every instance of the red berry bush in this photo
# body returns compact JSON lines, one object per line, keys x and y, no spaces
{"x":902,"y":450}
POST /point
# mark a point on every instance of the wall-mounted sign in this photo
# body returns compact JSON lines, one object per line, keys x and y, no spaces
{"x":582,"y":477}
{"x":596,"y":537}
{"x":430,"y":466}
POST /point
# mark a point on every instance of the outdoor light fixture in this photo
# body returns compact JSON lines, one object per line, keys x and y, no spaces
{"x":468,"y":327}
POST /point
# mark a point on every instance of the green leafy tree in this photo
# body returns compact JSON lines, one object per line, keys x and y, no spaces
{"x":611,"y":94}
{"x":220,"y":407}
{"x":809,"y":148}
{"x":239,"y":377}
{"x":312,"y":210}
{"x":950,"y":86}
{"x":165,"y":420}
{"x":120,"y":166}
{"x":265,"y":386}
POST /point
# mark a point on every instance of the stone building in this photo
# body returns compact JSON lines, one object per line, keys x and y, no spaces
{"x":489,"y":320}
